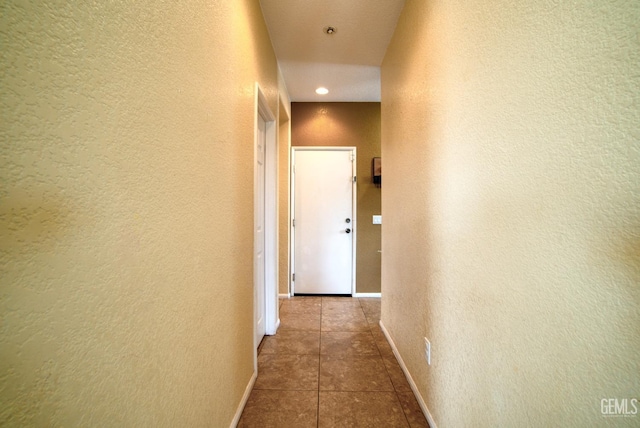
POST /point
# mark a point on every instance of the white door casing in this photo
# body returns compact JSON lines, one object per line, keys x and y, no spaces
{"x":265,"y":265}
{"x":323,"y":226}
{"x":259,"y":271}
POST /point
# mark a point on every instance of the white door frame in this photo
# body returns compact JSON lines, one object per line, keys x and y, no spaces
{"x":354,"y":227}
{"x":271,"y":227}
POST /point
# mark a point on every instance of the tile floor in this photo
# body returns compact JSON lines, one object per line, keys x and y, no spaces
{"x":330,"y":365}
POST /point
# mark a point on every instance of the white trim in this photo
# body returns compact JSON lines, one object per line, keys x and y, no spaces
{"x":378,"y":295}
{"x":271,"y":226}
{"x":261,"y":109}
{"x":245,"y":398}
{"x":414,"y":388}
{"x":292,"y":236}
{"x":354,"y":209}
{"x":354,"y":221}
{"x":284,"y":296}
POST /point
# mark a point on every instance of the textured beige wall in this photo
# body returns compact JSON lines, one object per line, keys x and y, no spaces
{"x":126,"y":210}
{"x":510,"y":138}
{"x":349,"y":124}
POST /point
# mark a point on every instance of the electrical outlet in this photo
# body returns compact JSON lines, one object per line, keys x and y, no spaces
{"x":427,"y":350}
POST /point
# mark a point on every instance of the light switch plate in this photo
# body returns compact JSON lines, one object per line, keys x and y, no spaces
{"x":377,"y":219}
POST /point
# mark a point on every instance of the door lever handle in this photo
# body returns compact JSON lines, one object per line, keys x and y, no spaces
{"x":348,"y":230}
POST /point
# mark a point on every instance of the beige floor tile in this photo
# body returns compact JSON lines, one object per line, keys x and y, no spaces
{"x":385,"y":350}
{"x":399,"y":380}
{"x":373,"y":325}
{"x":340,"y":299}
{"x":309,"y":305}
{"x":371,"y":308}
{"x":382,"y":343}
{"x":348,"y":343}
{"x":280,"y":409}
{"x":360,"y":409}
{"x":299,"y":321}
{"x":377,"y":332}
{"x":330,"y":365}
{"x":293,"y":372}
{"x":412,"y":409}
{"x":344,"y":322}
{"x":292,"y":342}
{"x":337,"y":305}
{"x":373,"y":320}
{"x":353,"y":373}
{"x":351,"y":312}
{"x":373,"y":301}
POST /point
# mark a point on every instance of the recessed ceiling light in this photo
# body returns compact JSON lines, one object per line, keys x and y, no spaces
{"x":330,"y":30}
{"x":322,"y":91}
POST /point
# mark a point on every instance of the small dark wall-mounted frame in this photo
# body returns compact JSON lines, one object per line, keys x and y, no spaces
{"x":376,"y":171}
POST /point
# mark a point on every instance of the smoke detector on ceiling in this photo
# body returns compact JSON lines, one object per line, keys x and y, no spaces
{"x":330,"y":30}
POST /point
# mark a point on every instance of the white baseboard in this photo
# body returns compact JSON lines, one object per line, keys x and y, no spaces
{"x":414,"y":388}
{"x":378,"y":295}
{"x":245,"y":398}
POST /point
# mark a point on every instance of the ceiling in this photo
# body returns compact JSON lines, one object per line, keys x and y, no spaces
{"x":346,"y":62}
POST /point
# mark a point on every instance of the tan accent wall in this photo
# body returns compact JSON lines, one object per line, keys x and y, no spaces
{"x":284,"y":149}
{"x":511,"y":208}
{"x":349,"y":124}
{"x":126,"y":213}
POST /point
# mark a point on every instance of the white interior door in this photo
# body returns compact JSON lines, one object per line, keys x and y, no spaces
{"x":259,"y":235}
{"x":324,"y":226}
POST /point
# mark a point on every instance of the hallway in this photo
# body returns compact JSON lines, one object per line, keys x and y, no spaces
{"x":330,"y":365}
